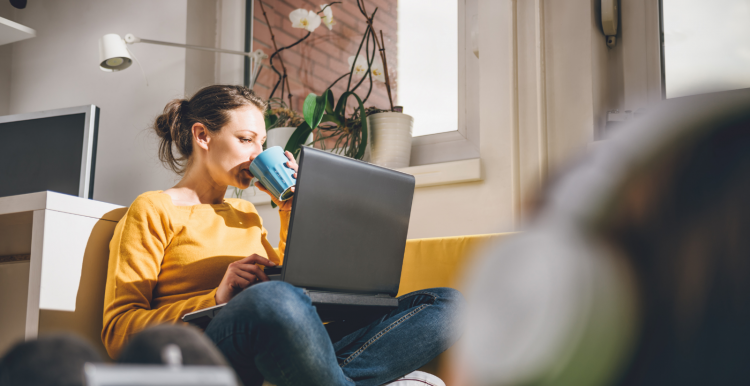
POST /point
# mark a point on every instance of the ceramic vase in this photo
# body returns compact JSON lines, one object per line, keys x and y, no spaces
{"x":279,"y":136}
{"x":390,"y":141}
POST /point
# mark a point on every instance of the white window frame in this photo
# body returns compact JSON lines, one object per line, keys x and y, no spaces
{"x":463,"y":143}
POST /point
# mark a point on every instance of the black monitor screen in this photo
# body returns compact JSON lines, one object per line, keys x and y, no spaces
{"x":42,"y":154}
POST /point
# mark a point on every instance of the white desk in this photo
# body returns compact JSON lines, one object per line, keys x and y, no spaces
{"x":53,"y":265}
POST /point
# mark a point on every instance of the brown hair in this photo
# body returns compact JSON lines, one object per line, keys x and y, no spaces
{"x":209,"y":106}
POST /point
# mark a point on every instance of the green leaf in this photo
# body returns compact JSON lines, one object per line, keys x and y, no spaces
{"x":298,"y":138}
{"x":363,"y":118}
{"x":331,"y":118}
{"x":314,"y":108}
{"x":270,"y":120}
{"x":339,"y":111}
{"x":328,"y":94}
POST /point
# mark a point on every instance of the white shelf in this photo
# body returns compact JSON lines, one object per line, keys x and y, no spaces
{"x":11,"y":32}
{"x":61,"y":203}
{"x":426,"y":175}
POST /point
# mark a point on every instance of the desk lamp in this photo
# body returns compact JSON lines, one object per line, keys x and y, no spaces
{"x":115,"y":56}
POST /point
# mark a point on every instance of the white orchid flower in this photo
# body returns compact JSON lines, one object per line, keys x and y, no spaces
{"x":360,"y":68}
{"x":301,"y":18}
{"x":327,"y":16}
{"x":377,"y":71}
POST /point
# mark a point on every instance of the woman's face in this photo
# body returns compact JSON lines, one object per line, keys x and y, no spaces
{"x":235,"y":146}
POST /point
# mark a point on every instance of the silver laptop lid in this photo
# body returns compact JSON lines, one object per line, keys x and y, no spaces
{"x":348,"y":225}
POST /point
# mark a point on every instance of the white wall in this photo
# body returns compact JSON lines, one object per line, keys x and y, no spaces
{"x":59,"y":68}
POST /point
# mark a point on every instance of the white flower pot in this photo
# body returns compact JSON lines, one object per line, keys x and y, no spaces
{"x":390,"y":141}
{"x":279,"y":136}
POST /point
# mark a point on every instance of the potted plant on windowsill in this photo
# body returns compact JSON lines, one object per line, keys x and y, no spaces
{"x":281,"y":122}
{"x":389,"y":134}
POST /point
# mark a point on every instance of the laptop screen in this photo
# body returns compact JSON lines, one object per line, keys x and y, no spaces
{"x":348,"y":225}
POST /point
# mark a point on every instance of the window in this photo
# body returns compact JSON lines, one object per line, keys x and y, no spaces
{"x":463,"y":143}
{"x":434,"y":71}
{"x":706,"y":46}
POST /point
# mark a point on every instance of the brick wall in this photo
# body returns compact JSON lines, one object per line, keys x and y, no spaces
{"x":318,"y":61}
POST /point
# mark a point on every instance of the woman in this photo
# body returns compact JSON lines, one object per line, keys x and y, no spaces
{"x":188,"y":248}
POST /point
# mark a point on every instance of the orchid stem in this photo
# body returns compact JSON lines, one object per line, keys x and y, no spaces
{"x":385,"y":68}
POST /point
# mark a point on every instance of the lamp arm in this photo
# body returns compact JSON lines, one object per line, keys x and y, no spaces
{"x":130,"y":39}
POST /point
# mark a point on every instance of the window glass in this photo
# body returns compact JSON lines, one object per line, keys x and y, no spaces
{"x":421,"y":45}
{"x":428,"y":64}
{"x":706,"y":46}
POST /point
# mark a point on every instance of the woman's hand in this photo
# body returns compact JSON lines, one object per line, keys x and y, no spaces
{"x":240,"y":275}
{"x":283,"y":205}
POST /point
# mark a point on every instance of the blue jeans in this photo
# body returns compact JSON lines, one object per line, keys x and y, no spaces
{"x":271,"y":330}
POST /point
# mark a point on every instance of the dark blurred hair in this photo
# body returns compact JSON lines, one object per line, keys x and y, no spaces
{"x":684,"y":225}
{"x":54,"y":360}
{"x":209,"y":106}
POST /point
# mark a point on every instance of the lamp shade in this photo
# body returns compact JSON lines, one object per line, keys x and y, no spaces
{"x":113,"y":55}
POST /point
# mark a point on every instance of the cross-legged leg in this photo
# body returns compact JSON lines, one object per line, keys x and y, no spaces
{"x":424,"y":325}
{"x":272,"y":330}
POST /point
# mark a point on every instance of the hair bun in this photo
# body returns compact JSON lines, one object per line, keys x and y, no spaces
{"x":169,"y":121}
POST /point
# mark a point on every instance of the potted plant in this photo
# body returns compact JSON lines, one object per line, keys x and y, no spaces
{"x":389,"y":130}
{"x":281,"y":121}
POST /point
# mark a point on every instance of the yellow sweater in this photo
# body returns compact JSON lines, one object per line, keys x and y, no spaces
{"x":166,"y":261}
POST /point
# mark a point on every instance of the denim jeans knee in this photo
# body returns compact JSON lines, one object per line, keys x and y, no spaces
{"x":271,"y":303}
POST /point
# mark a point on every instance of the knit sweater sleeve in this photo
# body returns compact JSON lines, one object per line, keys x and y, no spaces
{"x":136,"y":253}
{"x":277,"y":254}
{"x":283,"y":232}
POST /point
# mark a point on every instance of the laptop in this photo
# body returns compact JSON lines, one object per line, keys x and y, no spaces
{"x":347,"y":236}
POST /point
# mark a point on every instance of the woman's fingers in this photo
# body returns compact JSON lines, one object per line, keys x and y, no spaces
{"x":244,"y":279}
{"x":292,"y":163}
{"x":256,"y":258}
{"x":263,"y":261}
{"x":254,"y":270}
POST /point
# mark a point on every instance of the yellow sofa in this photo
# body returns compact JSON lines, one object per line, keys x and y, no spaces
{"x":441,"y":262}
{"x":428,"y":263}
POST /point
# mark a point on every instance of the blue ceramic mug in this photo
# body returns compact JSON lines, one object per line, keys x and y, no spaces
{"x":269,"y":167}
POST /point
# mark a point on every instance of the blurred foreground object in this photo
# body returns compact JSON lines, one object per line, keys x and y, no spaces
{"x":20,"y":4}
{"x":159,"y":355}
{"x":635,"y":270}
{"x":48,"y":361}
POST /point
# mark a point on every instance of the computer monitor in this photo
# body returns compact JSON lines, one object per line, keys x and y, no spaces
{"x":49,"y":150}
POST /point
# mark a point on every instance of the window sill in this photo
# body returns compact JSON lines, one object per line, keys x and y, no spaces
{"x":444,"y":173}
